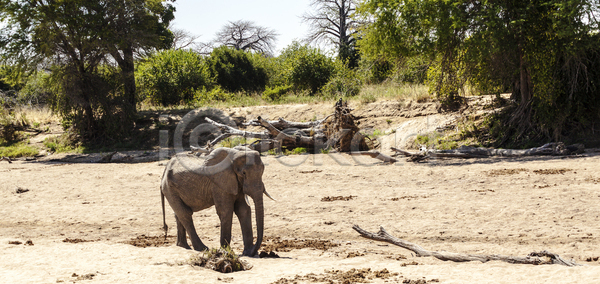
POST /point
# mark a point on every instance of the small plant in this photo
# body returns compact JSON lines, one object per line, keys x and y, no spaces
{"x":62,"y":143}
{"x":233,"y":141}
{"x":215,"y":94}
{"x":220,"y":259}
{"x":276,"y":94}
{"x":376,"y":133}
{"x":296,"y":151}
{"x":367,"y":99}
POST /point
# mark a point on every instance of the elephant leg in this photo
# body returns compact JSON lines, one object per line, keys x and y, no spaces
{"x":188,"y":223}
{"x":244,"y":215}
{"x":185,"y":223}
{"x":225,"y":213}
{"x":181,"y":235}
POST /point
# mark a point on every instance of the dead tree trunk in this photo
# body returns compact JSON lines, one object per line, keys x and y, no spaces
{"x":337,"y":130}
{"x":536,"y":258}
{"x":341,"y":131}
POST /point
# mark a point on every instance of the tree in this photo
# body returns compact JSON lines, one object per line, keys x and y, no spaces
{"x":183,"y":39}
{"x":306,"y":68}
{"x":81,"y":41}
{"x":333,"y":21}
{"x":543,"y":51}
{"x":235,"y":71}
{"x":172,"y":76}
{"x":246,"y":36}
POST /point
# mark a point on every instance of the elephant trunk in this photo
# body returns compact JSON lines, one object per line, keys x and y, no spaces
{"x":260,"y":222}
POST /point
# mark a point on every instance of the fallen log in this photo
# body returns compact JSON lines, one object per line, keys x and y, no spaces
{"x":264,"y":145}
{"x":375,"y":154}
{"x":233,"y":131}
{"x":536,"y":258}
{"x":467,"y":152}
{"x":6,"y":159}
{"x":296,"y":140}
{"x":282,"y":124}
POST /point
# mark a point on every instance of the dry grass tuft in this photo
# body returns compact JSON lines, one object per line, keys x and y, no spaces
{"x":223,"y":260}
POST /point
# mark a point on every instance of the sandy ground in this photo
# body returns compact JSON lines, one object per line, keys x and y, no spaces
{"x":80,"y":217}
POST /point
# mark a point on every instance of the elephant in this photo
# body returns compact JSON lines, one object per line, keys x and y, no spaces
{"x":225,"y":178}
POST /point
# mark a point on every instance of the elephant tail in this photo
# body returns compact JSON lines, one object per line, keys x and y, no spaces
{"x":162,"y":200}
{"x":167,"y":173}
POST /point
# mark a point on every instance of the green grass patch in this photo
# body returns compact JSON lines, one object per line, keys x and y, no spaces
{"x":18,"y":150}
{"x":233,"y":141}
{"x":296,"y":151}
{"x":61,"y":144}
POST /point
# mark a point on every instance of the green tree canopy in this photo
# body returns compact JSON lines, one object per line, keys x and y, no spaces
{"x":306,"y":68}
{"x":542,"y":51}
{"x":172,"y":76}
{"x":235,"y":71}
{"x":75,"y":38}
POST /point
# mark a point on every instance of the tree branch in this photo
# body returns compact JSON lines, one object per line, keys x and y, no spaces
{"x":536,"y":258}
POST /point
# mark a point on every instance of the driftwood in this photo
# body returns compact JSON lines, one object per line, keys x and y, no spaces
{"x":336,"y":131}
{"x":376,"y":155}
{"x":295,"y":140}
{"x":230,"y":131}
{"x":466,"y":152}
{"x":6,"y":159}
{"x":341,"y":131}
{"x":535,"y":258}
{"x":283,"y":124}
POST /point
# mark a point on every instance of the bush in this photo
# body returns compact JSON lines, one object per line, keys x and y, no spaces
{"x":92,"y":105}
{"x":375,"y":71}
{"x":274,"y":68}
{"x":11,"y":78}
{"x":345,"y":82}
{"x":10,"y":125}
{"x":235,"y":71}
{"x":37,"y":89}
{"x":276,"y":94}
{"x":306,"y":68}
{"x":172,"y":76}
{"x":205,"y":96}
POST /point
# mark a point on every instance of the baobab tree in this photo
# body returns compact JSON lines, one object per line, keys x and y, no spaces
{"x":332,"y":22}
{"x":246,"y":35}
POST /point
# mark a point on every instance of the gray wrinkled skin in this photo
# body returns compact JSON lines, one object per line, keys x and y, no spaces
{"x":222,"y":179}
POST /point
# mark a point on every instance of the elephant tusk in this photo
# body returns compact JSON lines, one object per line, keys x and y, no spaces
{"x":269,"y":196}
{"x":246,"y":198}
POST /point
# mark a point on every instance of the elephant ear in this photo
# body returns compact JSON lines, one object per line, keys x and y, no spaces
{"x":219,"y":166}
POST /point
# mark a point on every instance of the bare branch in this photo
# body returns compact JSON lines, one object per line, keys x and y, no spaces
{"x":535,"y":258}
{"x":332,"y":21}
{"x":374,"y":154}
{"x":246,"y":35}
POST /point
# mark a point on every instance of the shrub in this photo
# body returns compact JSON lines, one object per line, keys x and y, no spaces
{"x":172,"y":76}
{"x":235,"y":71}
{"x":93,"y":105}
{"x":37,"y":89}
{"x":276,"y":94}
{"x":63,"y":143}
{"x":10,"y":125}
{"x":345,"y":82}
{"x":306,"y":68}
{"x":205,"y":96}
{"x":273,"y":66}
